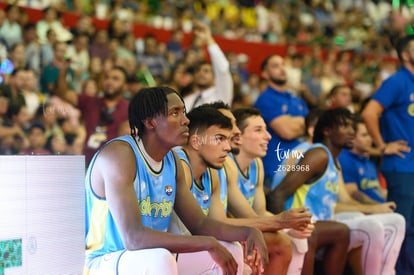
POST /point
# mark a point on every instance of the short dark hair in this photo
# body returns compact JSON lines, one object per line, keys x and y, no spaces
{"x":38,"y":125}
{"x":331,"y":119}
{"x":148,"y":103}
{"x":218,"y":105}
{"x":402,"y":45}
{"x":122,"y":70}
{"x":335,"y":89}
{"x":265,"y":61}
{"x":357,"y":120}
{"x":203,"y":117}
{"x":242,"y":114}
{"x":199,"y":64}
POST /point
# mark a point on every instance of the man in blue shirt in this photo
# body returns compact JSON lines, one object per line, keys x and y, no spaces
{"x":389,"y":117}
{"x":359,"y":172}
{"x":283,"y":113}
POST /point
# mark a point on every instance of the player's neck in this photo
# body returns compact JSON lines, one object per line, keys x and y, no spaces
{"x":198,"y":166}
{"x":243,"y":161}
{"x":152,"y":156}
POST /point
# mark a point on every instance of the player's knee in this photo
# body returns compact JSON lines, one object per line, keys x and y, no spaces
{"x":398,"y":220}
{"x":374,"y":229}
{"x":341,"y":232}
{"x":372,"y":226}
{"x":279,"y":244}
{"x":396,"y":226}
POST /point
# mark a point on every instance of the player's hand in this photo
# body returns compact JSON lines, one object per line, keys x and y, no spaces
{"x":397,"y":147}
{"x":223,"y":258}
{"x":303,"y":234}
{"x":251,"y":261}
{"x":256,"y":252}
{"x":386,"y":207}
{"x":203,"y":32}
{"x":296,"y":218}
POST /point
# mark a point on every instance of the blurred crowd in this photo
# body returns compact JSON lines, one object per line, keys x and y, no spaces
{"x":349,"y":40}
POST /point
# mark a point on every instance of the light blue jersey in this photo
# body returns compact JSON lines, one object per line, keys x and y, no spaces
{"x":155,"y":193}
{"x":248,"y":182}
{"x":222,"y":174}
{"x":202,"y":193}
{"x":321,"y":195}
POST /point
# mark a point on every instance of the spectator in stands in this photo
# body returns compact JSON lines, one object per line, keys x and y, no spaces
{"x":30,"y":92}
{"x":105,"y":116}
{"x":46,"y":53}
{"x":8,"y":131}
{"x":90,"y":87}
{"x":156,"y":63}
{"x":11,"y":30}
{"x":316,"y":181}
{"x":13,"y":90}
{"x":2,"y":19}
{"x":99,"y":45}
{"x":47,"y":115}
{"x":312,"y":81}
{"x":175,"y":44}
{"x":201,"y":156}
{"x":135,"y":238}
{"x":116,"y":28}
{"x":17,"y":117}
{"x":84,"y":25}
{"x":212,"y":81}
{"x":389,"y":117}
{"x":37,"y":140}
{"x":250,"y":90}
{"x":294,"y":67}
{"x":16,"y":55}
{"x":283,"y":113}
{"x":57,"y":145}
{"x":50,"y":74}
{"x":181,"y":78}
{"x":360,"y":173}
{"x":32,"y":48}
{"x":52,"y":20}
{"x":127,"y":47}
{"x":340,"y":97}
{"x":78,"y":55}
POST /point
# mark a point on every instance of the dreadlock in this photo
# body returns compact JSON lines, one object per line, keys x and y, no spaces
{"x":148,"y":103}
{"x":331,"y":119}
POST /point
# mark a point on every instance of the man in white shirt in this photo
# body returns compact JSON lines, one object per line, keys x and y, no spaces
{"x":212,"y":81}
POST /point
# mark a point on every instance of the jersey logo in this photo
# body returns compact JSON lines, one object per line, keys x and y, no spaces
{"x":205,"y":198}
{"x":168,"y":190}
{"x":410,"y":109}
{"x":156,"y":209}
